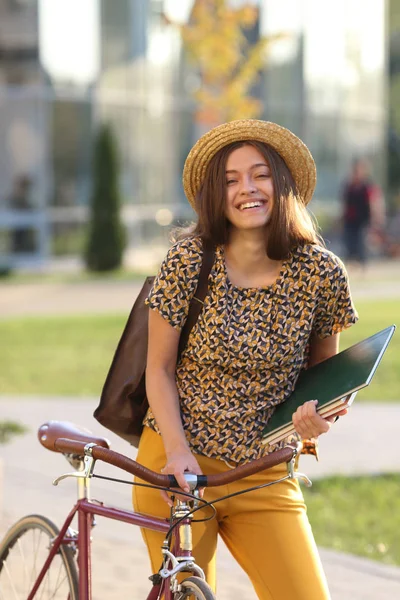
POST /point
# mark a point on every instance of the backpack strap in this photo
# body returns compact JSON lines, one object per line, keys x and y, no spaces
{"x":197,"y":302}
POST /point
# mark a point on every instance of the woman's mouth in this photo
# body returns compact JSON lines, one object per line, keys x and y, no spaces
{"x":251,"y":204}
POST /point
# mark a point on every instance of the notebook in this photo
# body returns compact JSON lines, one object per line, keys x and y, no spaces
{"x":333,"y":382}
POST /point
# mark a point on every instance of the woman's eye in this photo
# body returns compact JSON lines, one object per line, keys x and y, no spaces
{"x":230,"y":181}
{"x":262,"y":175}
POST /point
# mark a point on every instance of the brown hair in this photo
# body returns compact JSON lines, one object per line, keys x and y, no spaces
{"x":291,"y":225}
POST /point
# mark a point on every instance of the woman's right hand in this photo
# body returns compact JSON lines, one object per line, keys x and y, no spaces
{"x":179,"y":462}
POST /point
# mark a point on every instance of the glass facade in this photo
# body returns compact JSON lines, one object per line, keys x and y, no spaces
{"x":326,"y":81}
{"x":323,"y":79}
{"x":23,"y":131}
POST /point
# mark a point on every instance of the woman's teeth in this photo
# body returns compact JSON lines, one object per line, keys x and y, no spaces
{"x":250,"y":205}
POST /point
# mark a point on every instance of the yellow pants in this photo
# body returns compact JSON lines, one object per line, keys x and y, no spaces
{"x":267,"y":531}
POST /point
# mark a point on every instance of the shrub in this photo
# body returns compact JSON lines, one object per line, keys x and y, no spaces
{"x":8,"y":429}
{"x":106,"y":240}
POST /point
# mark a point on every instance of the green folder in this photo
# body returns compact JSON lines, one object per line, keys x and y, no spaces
{"x":333,"y":382}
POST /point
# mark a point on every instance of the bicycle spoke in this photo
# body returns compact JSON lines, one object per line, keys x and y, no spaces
{"x":45,"y":583}
{"x":42,"y":587}
{"x":30,"y":577}
{"x":58,"y":583}
{"x":5,"y":566}
{"x":34,"y":541}
{"x":23,"y":556}
{"x":53,"y":583}
{"x":34,"y":555}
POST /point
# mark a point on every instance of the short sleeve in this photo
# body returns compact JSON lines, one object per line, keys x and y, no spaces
{"x":335,"y":310}
{"x":177,"y":281}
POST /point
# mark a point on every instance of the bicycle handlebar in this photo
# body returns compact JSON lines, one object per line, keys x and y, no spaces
{"x":65,"y":437}
{"x":129,"y":465}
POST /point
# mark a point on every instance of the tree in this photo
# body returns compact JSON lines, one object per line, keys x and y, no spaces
{"x":228,"y":64}
{"x":106,"y":240}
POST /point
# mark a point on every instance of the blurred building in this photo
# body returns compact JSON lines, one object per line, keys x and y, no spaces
{"x":66,"y":64}
{"x":24,"y":123}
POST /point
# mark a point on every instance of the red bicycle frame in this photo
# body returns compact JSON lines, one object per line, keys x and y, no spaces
{"x":86,"y":510}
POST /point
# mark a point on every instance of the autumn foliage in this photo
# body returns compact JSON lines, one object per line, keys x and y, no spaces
{"x":228,"y":65}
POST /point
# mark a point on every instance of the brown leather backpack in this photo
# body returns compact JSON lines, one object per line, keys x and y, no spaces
{"x":123,"y":402}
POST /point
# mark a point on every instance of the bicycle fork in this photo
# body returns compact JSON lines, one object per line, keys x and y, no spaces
{"x":180,"y":559}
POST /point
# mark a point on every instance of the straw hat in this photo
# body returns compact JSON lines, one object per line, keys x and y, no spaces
{"x":293,"y":151}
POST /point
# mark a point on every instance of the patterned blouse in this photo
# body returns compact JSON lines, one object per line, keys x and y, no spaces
{"x":246,"y":350}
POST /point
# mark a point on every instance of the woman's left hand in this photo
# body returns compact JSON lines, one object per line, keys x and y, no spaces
{"x":309,"y":424}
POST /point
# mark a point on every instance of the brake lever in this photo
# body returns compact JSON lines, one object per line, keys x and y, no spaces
{"x":88,"y":467}
{"x":303,"y":477}
{"x":296,"y":474}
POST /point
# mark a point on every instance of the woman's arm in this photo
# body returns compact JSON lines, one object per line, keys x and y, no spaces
{"x":321,"y":349}
{"x":307,"y":422}
{"x":163,"y":397}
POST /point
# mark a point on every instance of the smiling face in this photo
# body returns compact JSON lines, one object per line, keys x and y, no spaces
{"x":252,"y":171}
{"x":249,"y":189}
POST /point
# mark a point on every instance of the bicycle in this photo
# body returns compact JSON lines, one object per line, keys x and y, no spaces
{"x":39,"y":560}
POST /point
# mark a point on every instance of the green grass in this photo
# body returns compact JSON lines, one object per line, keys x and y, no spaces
{"x":374,"y":316}
{"x":358,"y":515}
{"x":21,"y":277}
{"x":71,"y":355}
{"x":57,"y":355}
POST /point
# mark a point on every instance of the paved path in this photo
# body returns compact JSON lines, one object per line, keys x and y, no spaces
{"x":382,"y":280}
{"x":120,"y":561}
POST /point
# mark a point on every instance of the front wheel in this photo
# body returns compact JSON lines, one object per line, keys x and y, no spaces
{"x":23,"y":552}
{"x":195,"y":588}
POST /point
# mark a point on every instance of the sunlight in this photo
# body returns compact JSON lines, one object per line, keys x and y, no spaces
{"x":69,"y":39}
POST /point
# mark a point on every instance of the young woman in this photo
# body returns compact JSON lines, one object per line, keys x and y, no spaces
{"x":277,"y":301}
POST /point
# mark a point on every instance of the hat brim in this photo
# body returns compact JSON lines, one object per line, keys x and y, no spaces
{"x":294,"y":152}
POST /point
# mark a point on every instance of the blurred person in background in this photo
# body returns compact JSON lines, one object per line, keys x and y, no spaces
{"x":363,"y":213}
{"x":392,"y":238}
{"x":20,"y":199}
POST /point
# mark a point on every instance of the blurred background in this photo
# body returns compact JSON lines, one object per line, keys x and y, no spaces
{"x":100,"y":102}
{"x":159,"y":73}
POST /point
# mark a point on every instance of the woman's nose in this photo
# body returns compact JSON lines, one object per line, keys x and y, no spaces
{"x":248,"y":186}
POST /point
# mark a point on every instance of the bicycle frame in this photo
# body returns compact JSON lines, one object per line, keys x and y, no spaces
{"x":86,"y":510}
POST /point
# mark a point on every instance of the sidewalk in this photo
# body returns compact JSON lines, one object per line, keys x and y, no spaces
{"x":119,"y":558}
{"x":382,"y":280}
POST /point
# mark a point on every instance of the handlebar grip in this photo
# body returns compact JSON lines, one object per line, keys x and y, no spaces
{"x":172,"y":481}
{"x":202,"y":481}
{"x":284,"y":455}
